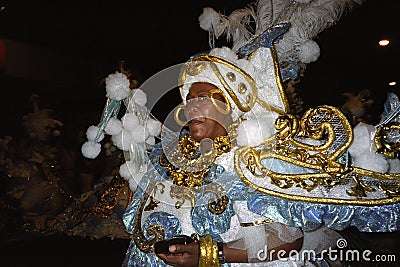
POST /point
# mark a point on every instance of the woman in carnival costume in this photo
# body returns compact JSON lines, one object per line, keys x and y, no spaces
{"x":246,"y":178}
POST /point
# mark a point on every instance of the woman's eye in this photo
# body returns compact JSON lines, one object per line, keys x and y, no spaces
{"x":203,"y":98}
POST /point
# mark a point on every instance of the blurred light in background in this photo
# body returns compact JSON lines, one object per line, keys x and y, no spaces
{"x":384,"y":42}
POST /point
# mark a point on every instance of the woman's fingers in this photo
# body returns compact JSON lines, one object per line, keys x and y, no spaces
{"x":182,"y":255}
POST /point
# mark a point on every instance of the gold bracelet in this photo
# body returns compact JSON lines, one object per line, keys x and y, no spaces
{"x":215,"y":261}
{"x":208,"y":252}
{"x":209,"y":244}
{"x":203,"y":252}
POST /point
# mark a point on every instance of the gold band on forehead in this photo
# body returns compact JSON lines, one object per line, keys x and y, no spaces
{"x":198,"y":64}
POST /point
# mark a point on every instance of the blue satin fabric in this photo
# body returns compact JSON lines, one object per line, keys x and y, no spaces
{"x":309,"y":216}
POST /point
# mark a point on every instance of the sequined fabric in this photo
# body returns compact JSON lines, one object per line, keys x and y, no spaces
{"x":310,"y":216}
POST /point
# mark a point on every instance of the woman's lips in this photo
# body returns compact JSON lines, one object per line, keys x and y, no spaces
{"x":195,"y":122}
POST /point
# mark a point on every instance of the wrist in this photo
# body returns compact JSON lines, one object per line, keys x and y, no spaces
{"x":221,"y":256}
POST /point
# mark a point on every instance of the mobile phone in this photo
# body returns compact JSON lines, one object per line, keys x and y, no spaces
{"x":162,"y":247}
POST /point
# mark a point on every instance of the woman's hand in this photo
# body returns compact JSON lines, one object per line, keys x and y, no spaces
{"x":182,"y":255}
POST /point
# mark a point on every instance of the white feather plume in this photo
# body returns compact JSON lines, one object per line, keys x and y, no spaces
{"x":307,"y":18}
{"x":307,"y":21}
{"x":239,"y":29}
{"x":236,"y":26}
{"x":267,"y":12}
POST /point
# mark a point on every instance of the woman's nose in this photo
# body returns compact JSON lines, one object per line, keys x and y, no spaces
{"x":192,"y":108}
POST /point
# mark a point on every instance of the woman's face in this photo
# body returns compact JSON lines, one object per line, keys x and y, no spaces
{"x":204,"y":120}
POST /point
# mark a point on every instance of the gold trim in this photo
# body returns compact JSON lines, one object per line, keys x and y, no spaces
{"x":317,"y":200}
{"x":324,"y":123}
{"x":389,"y":149}
{"x":256,"y":223}
{"x":278,"y":79}
{"x":145,"y":245}
{"x":219,"y":205}
{"x":187,"y":170}
{"x":362,"y":202}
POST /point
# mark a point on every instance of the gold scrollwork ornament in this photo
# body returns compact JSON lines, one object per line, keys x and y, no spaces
{"x":144,"y":244}
{"x":382,"y":143}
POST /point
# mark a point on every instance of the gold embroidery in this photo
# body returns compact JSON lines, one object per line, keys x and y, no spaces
{"x":187,"y":168}
{"x":325,"y":158}
{"x":359,"y":189}
{"x":382,"y":142}
{"x":255,"y":223}
{"x":153,"y":204}
{"x":217,"y":206}
{"x":390,"y":189}
{"x":145,"y":245}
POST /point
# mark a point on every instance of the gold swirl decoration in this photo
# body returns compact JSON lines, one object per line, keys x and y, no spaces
{"x":219,"y":205}
{"x":145,"y":245}
{"x":325,"y":156}
{"x":382,"y":140}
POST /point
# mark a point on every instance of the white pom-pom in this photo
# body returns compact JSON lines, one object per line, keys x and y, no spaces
{"x":154,"y":127}
{"x":363,"y":150}
{"x":125,"y":170}
{"x":252,"y":132}
{"x":131,"y":172}
{"x":139,"y":97}
{"x":122,"y":140}
{"x":139,"y":134}
{"x":91,"y":133}
{"x":394,"y":165}
{"x":362,"y":142}
{"x":90,"y":149}
{"x":209,"y":19}
{"x":308,"y":51}
{"x":130,"y":121}
{"x":372,"y":161}
{"x":117,"y":86}
{"x":114,"y":126}
{"x":151,"y":140}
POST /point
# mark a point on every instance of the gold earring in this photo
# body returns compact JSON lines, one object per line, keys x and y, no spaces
{"x":225,"y":111}
{"x":176,"y":115}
